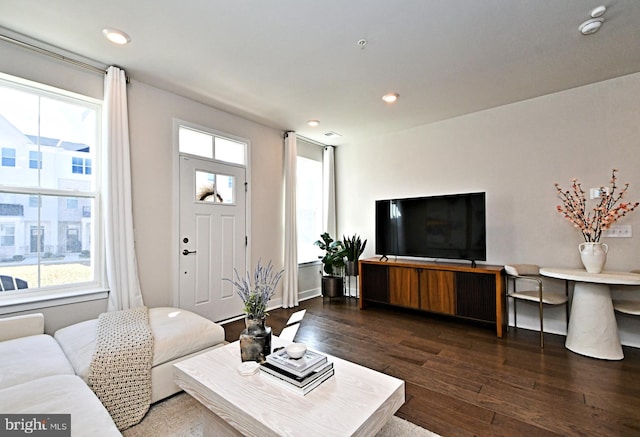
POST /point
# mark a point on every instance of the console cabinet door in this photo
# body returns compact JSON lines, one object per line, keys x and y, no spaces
{"x":476,"y":296}
{"x":403,"y":287}
{"x":374,"y":283}
{"x":437,"y":291}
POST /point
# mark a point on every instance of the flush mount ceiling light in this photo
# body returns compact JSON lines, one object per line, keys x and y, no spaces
{"x":116,"y":36}
{"x":391,"y":97}
{"x":313,"y":123}
{"x":590,"y":26}
{"x":598,"y":12}
{"x":593,"y":25}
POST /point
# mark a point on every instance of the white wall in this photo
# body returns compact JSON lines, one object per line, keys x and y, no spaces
{"x":515,"y":154}
{"x":151,"y":113}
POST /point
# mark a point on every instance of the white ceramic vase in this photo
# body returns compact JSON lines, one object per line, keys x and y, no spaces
{"x":593,"y":256}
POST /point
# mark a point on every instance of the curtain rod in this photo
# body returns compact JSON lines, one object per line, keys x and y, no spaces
{"x":51,"y":54}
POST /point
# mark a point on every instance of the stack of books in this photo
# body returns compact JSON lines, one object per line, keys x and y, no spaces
{"x":299,"y":375}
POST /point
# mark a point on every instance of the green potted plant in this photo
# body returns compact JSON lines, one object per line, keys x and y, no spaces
{"x":332,"y":265}
{"x":354,"y":247}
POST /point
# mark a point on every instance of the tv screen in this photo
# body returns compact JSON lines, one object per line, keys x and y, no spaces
{"x":450,"y":226}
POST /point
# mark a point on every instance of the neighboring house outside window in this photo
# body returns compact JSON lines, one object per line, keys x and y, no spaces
{"x":48,"y":209}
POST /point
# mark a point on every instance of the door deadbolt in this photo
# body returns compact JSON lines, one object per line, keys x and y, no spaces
{"x":185,"y":240}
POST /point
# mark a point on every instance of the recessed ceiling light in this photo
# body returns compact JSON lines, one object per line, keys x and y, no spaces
{"x":116,"y":36}
{"x":313,"y":123}
{"x":390,"y":98}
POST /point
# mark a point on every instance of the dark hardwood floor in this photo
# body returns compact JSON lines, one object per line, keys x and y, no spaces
{"x":460,"y":380}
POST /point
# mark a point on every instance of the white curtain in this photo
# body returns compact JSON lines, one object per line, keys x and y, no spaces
{"x":329,"y":190}
{"x":290,"y":282}
{"x":122,"y":272}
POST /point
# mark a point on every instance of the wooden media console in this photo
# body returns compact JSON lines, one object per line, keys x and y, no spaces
{"x":458,"y":290}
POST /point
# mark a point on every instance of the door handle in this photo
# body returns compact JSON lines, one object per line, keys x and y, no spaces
{"x":187,"y":252}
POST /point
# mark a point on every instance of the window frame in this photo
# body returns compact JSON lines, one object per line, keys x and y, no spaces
{"x":38,"y":297}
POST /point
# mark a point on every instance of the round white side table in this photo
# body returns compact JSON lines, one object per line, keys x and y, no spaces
{"x":593,"y":330}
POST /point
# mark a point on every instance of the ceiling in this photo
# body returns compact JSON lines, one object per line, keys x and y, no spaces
{"x":284,"y":62}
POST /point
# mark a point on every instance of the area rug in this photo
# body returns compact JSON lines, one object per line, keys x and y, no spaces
{"x":179,"y":416}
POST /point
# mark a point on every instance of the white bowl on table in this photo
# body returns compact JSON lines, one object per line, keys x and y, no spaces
{"x":296,"y":350}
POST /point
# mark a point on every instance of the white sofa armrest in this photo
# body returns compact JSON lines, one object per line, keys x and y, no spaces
{"x":21,"y":326}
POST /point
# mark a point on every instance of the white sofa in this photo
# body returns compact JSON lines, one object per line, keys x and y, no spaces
{"x":44,"y":374}
{"x":37,"y":378}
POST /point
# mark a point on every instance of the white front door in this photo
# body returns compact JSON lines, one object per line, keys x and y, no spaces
{"x":212,"y":236}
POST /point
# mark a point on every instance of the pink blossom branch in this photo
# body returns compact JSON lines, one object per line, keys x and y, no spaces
{"x":607,"y":212}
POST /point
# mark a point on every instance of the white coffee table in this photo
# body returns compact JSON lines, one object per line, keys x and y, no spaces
{"x":355,"y":401}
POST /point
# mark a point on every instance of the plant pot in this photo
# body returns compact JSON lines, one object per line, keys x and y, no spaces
{"x":593,"y":256}
{"x":332,"y":286}
{"x":351,"y":268}
{"x":255,"y":340}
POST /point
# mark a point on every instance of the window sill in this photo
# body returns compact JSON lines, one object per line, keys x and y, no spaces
{"x":17,"y":302}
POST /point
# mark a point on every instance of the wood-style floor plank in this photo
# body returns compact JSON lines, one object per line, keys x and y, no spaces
{"x":461,"y":380}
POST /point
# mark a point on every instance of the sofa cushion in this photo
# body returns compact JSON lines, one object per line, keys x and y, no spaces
{"x":78,"y":342}
{"x":21,"y":326}
{"x":176,"y":333}
{"x":32,"y":357}
{"x":60,"y":394}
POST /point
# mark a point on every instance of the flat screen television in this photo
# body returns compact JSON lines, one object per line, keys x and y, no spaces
{"x":449,"y":226}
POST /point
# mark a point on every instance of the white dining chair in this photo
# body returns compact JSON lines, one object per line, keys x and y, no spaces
{"x":528,"y":275}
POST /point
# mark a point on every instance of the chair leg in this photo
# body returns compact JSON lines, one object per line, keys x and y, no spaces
{"x":541,"y":326}
{"x":506,"y":299}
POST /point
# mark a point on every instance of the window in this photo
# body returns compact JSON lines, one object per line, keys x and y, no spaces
{"x":210,"y":145}
{"x":35,"y":159}
{"x":8,"y":157}
{"x":215,"y":188}
{"x":308,"y":200}
{"x":7,"y":235}
{"x":80,"y":165}
{"x":48,"y":229}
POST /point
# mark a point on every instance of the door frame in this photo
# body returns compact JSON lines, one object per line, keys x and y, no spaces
{"x":175,"y":196}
